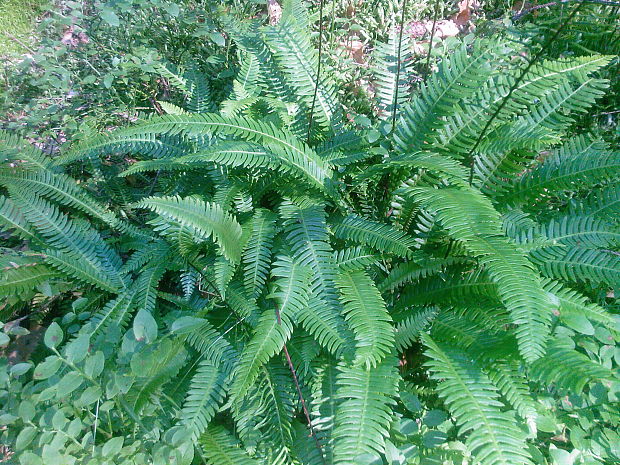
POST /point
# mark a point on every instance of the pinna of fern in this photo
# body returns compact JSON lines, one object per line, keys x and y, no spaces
{"x":271,"y":307}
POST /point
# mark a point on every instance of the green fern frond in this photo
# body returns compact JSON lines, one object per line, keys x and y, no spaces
{"x":601,"y":202}
{"x":411,"y":326}
{"x":292,"y":285}
{"x":414,"y":270}
{"x":379,"y":236}
{"x":580,"y":162}
{"x":205,"y":218}
{"x":15,"y":149}
{"x":20,"y":274}
{"x":492,"y":435}
{"x":575,"y":231}
{"x":386,"y":71}
{"x":326,"y":325}
{"x":578,"y":264}
{"x":116,"y":312}
{"x":81,"y":252}
{"x":567,"y":369}
{"x":60,"y":188}
{"x":204,"y":396}
{"x":220,"y":446}
{"x":268,"y":339}
{"x":299,"y":61}
{"x":457,"y":79}
{"x":572,"y":304}
{"x":367,"y":316}
{"x":471,"y":219}
{"x":132,"y":142}
{"x":12,"y":220}
{"x":364,"y":413}
{"x":355,"y":258}
{"x":512,"y":384}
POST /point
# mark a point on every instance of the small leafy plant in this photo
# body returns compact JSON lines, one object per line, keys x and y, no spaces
{"x":252,"y":280}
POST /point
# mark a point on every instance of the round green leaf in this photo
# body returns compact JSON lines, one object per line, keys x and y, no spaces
{"x":53,"y":335}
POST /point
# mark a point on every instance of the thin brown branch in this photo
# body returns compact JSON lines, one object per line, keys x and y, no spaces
{"x":300,"y":394}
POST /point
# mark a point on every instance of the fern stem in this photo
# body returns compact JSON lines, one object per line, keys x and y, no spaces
{"x":300,"y":394}
{"x":398,"y":63}
{"x":430,"y":44}
{"x":318,"y":71}
{"x":516,"y":84}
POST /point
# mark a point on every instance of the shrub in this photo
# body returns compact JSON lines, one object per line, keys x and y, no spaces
{"x":261,"y":283}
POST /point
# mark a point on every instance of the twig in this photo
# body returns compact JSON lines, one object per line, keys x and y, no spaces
{"x":515,"y":85}
{"x":299,"y":393}
{"x":15,"y":39}
{"x":523,"y":13}
{"x":318,"y":70}
{"x":398,"y":63}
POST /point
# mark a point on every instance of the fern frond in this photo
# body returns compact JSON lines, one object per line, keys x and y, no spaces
{"x":60,"y":188}
{"x":470,"y":218}
{"x":133,"y":142}
{"x":602,"y":203}
{"x":268,"y":339}
{"x":206,"y":393}
{"x":580,"y":162}
{"x":326,"y":325}
{"x":367,"y":316}
{"x":205,"y":218}
{"x":16,"y":149}
{"x":456,"y":79}
{"x":364,"y":413}
{"x":22,"y":273}
{"x":411,"y":326}
{"x":571,"y":303}
{"x":355,"y":258}
{"x":385,"y":72}
{"x":220,"y":446}
{"x":578,"y":264}
{"x":575,"y":231}
{"x":292,"y":283}
{"x":379,"y":236}
{"x":116,"y":312}
{"x":299,"y":61}
{"x":12,"y":220}
{"x":512,"y":384}
{"x":492,"y":435}
{"x":567,"y":369}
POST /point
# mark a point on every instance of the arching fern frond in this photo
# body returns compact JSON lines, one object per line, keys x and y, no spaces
{"x":203,"y":217}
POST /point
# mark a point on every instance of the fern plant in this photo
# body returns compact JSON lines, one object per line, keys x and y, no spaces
{"x":247,"y":290}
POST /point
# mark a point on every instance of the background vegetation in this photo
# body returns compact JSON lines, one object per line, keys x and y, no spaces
{"x":213,"y":253}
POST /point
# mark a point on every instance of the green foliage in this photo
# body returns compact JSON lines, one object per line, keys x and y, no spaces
{"x":416,"y":296}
